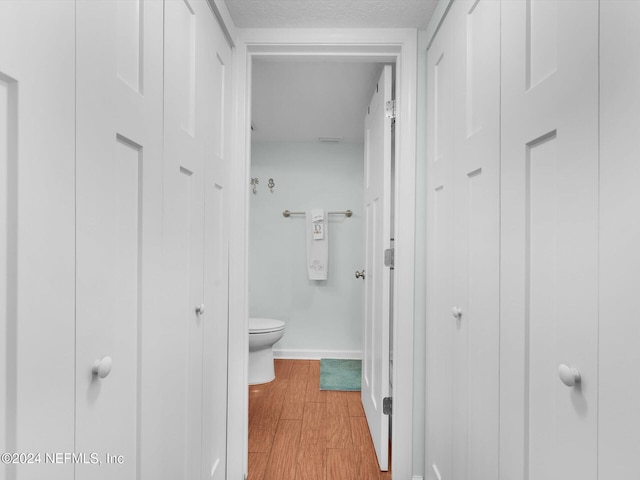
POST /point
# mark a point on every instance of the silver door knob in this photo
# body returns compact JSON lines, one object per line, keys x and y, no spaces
{"x":102,"y":368}
{"x":360,"y":274}
{"x":456,"y":312}
{"x":200,"y":309}
{"x":569,"y":375}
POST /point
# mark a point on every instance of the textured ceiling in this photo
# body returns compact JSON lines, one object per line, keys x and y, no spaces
{"x":302,"y":101}
{"x":331,"y":13}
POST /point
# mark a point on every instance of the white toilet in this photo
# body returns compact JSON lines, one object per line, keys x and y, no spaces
{"x":263,"y":333}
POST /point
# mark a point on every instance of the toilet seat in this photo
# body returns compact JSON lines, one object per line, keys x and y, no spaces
{"x":265,"y":325}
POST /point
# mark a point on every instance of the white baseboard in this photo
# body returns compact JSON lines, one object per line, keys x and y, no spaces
{"x":417,"y":477}
{"x":292,"y":354}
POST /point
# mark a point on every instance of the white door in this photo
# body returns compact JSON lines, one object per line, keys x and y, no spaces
{"x":440,"y":325}
{"x":549,"y":240}
{"x":377,"y":300}
{"x":462,"y":408}
{"x":619,"y":388}
{"x":37,"y":250}
{"x":184,"y":227}
{"x":118,"y":215}
{"x":197,"y":83}
{"x":216,"y":119}
{"x":474,"y":313}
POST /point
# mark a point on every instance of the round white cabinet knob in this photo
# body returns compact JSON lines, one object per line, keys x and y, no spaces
{"x":569,"y":375}
{"x":456,"y":312}
{"x":200,"y":309}
{"x":102,"y":368}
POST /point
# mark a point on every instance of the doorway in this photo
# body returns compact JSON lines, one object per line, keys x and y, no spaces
{"x":393,"y":46}
{"x":308,"y":152}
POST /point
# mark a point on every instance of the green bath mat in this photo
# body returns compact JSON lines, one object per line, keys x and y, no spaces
{"x":336,"y":374}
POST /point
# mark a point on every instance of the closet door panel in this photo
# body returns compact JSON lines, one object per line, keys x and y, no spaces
{"x":619,"y":394}
{"x":197,"y":83}
{"x":476,"y":219}
{"x":37,"y":248}
{"x":440,"y":325}
{"x":118,"y":212}
{"x":216,"y":118}
{"x":183,"y":229}
{"x":549,"y":235}
{"x":186,"y":214}
{"x":463,"y":248}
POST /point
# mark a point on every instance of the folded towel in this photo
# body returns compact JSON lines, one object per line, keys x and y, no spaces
{"x":317,"y":248}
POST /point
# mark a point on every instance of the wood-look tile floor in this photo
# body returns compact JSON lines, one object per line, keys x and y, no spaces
{"x":298,"y":432}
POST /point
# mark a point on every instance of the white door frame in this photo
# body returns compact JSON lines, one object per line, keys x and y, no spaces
{"x":398,"y":46}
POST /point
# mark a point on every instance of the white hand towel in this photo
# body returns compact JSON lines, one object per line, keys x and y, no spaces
{"x":317,"y":249}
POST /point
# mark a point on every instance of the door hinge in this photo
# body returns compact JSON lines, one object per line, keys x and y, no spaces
{"x":387,"y":405}
{"x":389,"y":257}
{"x":390,"y":109}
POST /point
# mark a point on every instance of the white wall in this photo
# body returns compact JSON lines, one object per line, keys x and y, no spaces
{"x":321,"y":316}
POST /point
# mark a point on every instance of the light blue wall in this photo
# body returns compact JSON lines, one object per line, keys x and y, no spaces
{"x":320,"y":315}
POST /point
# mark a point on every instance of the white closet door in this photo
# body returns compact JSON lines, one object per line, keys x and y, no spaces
{"x":118,"y":191}
{"x":37,"y":161}
{"x":440,"y":327}
{"x":463,"y":255}
{"x":476,"y":240}
{"x":619,"y":393}
{"x":184,"y":218}
{"x":216,"y":122}
{"x":197,"y":69}
{"x":549,"y":239}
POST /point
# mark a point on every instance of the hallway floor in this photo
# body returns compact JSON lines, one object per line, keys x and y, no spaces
{"x":297,"y":432}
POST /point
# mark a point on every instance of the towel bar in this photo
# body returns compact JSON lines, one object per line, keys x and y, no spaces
{"x":287,"y":213}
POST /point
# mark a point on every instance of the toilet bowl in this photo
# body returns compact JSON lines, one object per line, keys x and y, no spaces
{"x":263,"y":333}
